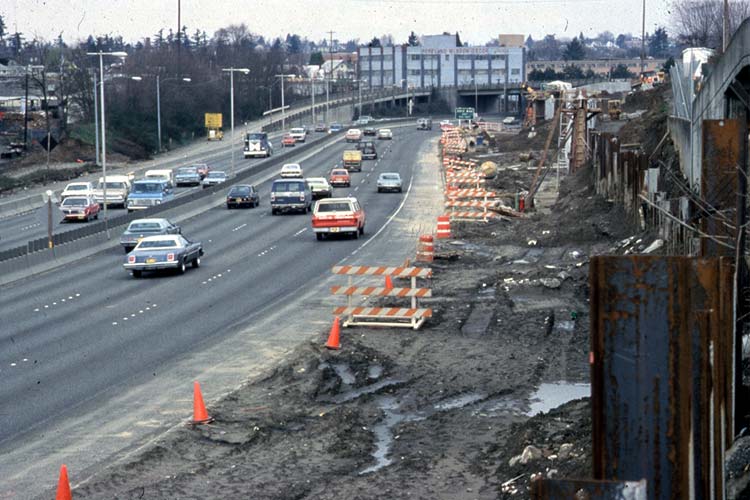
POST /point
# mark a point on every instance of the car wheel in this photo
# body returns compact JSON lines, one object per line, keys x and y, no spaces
{"x":309,"y":208}
{"x":127,"y":249}
{"x":197,"y":262}
{"x":96,"y":216}
{"x":380,"y":190}
{"x":400,"y":190}
{"x":182,"y":267}
{"x":136,"y":273}
{"x":362,"y":230}
{"x":273,"y":211}
{"x":356,"y":234}
{"x":319,"y":236}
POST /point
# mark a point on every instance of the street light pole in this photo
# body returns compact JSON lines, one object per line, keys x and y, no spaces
{"x":96,"y":121}
{"x":101,"y":55}
{"x":231,"y":72}
{"x":476,"y":97}
{"x":283,"y":111}
{"x":158,"y":106}
{"x":312,"y":87}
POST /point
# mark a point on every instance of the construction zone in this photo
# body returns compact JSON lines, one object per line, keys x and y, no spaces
{"x":562,"y":331}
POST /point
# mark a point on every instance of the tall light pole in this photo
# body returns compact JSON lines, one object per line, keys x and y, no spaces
{"x":101,"y":55}
{"x":476,"y":96}
{"x":231,"y":72}
{"x":158,"y":105}
{"x":96,"y":120}
{"x":283,"y":111}
{"x":312,"y":92}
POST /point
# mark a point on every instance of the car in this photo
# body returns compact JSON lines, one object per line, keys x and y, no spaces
{"x":288,"y":141}
{"x":141,"y":228}
{"x":118,"y":187}
{"x":163,"y":252}
{"x":80,"y":208}
{"x":320,"y":187}
{"x":369,"y":131}
{"x":165,"y":174}
{"x":353,"y":135}
{"x":368,"y":150}
{"x":385,"y":134}
{"x":291,"y":170}
{"x":203,"y":170}
{"x":299,"y":134}
{"x":389,"y":181}
{"x":338,"y":216}
{"x":424,"y":124}
{"x":340,"y":177}
{"x":321,"y":127}
{"x":243,"y":195}
{"x":447,"y":125}
{"x":290,"y":195}
{"x":335,"y":127}
{"x":77,"y":189}
{"x":214,"y":178}
{"x":509,"y":120}
{"x":364,"y":120}
{"x":187,"y":176}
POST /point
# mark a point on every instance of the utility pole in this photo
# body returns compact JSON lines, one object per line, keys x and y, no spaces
{"x":725,"y":27}
{"x":26,"y":113}
{"x":231,"y":72}
{"x":96,"y":120}
{"x":643,"y":38}
{"x":330,"y":64}
{"x":283,"y":111}
{"x":179,"y":34}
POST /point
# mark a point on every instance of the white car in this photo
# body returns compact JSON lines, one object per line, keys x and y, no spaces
{"x":77,"y":189}
{"x":353,"y":135}
{"x":291,"y":170}
{"x":385,"y":134}
{"x":299,"y":134}
{"x":509,"y":120}
{"x":320,"y":187}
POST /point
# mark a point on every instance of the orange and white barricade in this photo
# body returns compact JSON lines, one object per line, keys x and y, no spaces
{"x":443,"y":227}
{"x":412,"y":317}
{"x":426,"y":248}
{"x":468,"y":193}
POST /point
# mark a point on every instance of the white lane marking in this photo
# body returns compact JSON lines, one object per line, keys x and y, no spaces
{"x":393,"y":216}
{"x":356,"y":188}
{"x":114,"y":323}
{"x":362,"y":181}
{"x":239,"y":227}
{"x":300,"y":231}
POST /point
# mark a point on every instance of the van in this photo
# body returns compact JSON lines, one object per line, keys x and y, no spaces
{"x":165,"y":174}
{"x":147,"y":193}
{"x":290,"y":195}
{"x":257,"y":144}
{"x":118,"y":187}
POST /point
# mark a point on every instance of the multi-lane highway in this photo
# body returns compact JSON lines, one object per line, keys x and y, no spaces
{"x":75,"y":339}
{"x":19,"y":229}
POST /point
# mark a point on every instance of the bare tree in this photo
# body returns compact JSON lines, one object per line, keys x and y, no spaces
{"x":698,"y":23}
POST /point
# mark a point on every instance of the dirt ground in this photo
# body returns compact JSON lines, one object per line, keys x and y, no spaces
{"x":448,"y":412}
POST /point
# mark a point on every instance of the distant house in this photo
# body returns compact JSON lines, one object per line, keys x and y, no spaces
{"x":340,"y":69}
{"x":10,"y":68}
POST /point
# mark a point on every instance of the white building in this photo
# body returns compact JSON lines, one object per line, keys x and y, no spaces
{"x":441,"y":61}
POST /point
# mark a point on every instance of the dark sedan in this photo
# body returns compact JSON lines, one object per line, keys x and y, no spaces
{"x":243,"y":195}
{"x":164,"y":252}
{"x":141,"y":228}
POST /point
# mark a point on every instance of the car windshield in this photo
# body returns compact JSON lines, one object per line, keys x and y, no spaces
{"x":288,"y":186}
{"x":144,"y":226}
{"x":113,"y":185}
{"x":187,"y":170}
{"x":255,"y":137}
{"x":334,"y":207}
{"x":290,"y":167}
{"x":339,"y":172}
{"x":75,"y":202}
{"x":77,"y":187}
{"x":147,"y":187}
{"x":297,"y":130}
{"x":239,"y":191}
{"x":390,"y":177}
{"x":216,"y":175}
{"x":158,"y":244}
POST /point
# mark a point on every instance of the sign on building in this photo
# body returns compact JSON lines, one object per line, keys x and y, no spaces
{"x":464,"y":113}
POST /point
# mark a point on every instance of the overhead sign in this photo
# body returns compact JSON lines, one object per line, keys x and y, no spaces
{"x":464,"y":113}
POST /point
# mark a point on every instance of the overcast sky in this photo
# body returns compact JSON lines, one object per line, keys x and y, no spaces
{"x":477,"y":21}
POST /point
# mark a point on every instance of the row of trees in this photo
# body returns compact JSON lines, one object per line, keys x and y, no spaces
{"x":573,"y":72}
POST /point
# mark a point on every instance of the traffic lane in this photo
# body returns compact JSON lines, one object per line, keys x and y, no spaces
{"x":79,"y":347}
{"x":17,"y":231}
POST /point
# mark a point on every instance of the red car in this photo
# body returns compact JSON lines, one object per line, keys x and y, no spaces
{"x":340,"y":177}
{"x":80,"y":208}
{"x":288,"y":140}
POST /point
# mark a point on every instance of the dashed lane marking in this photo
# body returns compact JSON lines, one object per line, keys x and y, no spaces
{"x":215,"y":277}
{"x":63,"y":300}
{"x":239,"y":227}
{"x":300,"y":231}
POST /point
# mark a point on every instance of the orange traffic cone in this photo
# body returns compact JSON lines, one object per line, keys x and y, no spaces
{"x":63,"y":486}
{"x":333,"y":337}
{"x":388,"y":282}
{"x":200,"y":415}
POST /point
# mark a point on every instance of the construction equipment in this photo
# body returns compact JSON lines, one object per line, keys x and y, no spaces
{"x":213,"y":124}
{"x":614,"y":109}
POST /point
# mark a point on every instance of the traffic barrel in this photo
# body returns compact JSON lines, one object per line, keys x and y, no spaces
{"x":443,"y":227}
{"x":426,"y":248}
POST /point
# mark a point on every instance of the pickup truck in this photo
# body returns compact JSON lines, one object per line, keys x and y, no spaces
{"x":353,"y":160}
{"x":118,"y":187}
{"x":147,"y":193}
{"x":338,"y":215}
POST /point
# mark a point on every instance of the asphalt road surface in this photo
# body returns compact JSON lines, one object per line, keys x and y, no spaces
{"x":80,"y":339}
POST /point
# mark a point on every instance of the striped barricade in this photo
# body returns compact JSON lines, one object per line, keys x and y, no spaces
{"x":469,"y":193}
{"x":412,"y":317}
{"x":469,"y":204}
{"x":464,"y":174}
{"x":472,"y":216}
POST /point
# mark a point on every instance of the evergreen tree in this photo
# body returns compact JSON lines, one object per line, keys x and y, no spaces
{"x":413,"y":40}
{"x":316,"y":58}
{"x":658,"y":44}
{"x":575,"y":51}
{"x":375,"y":42}
{"x":2,"y":31}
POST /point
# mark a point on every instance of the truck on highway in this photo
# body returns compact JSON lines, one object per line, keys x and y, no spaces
{"x":257,"y":144}
{"x":161,"y":173}
{"x":213,"y":126}
{"x":353,"y":160}
{"x":147,"y":193}
{"x":118,"y":187}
